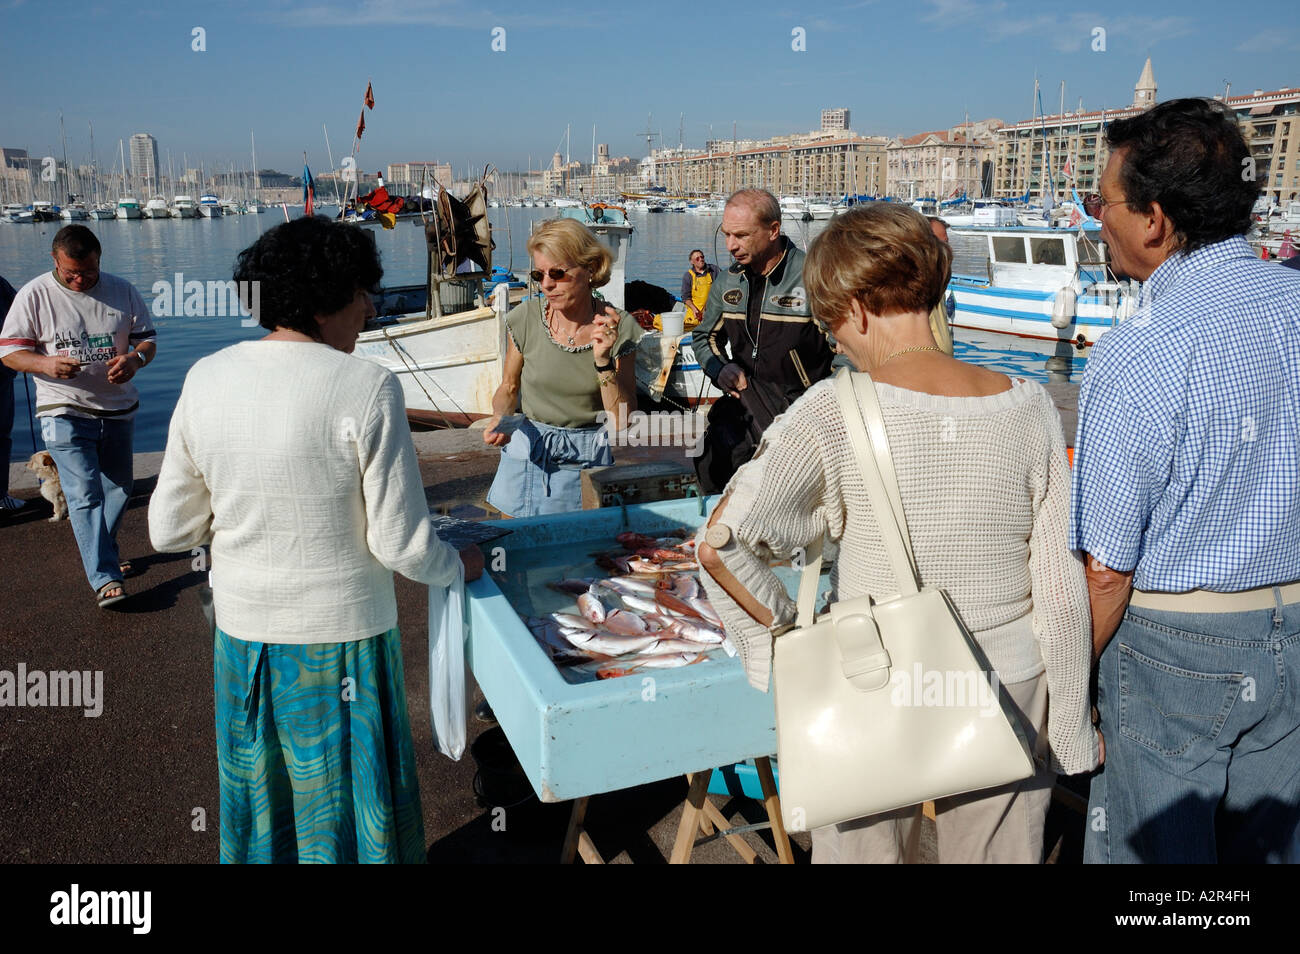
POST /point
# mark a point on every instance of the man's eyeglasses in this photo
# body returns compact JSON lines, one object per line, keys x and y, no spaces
{"x":1095,"y":204}
{"x":557,"y":274}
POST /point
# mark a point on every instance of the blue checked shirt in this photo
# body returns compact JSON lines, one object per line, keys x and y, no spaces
{"x":1187,"y":459}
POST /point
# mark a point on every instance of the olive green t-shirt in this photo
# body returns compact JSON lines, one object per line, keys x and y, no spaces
{"x":559,"y":385}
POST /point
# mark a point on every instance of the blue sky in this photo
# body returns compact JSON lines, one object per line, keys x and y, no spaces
{"x":282,"y":68}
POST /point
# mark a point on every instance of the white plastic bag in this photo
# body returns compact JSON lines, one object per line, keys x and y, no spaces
{"x":447,"y":702}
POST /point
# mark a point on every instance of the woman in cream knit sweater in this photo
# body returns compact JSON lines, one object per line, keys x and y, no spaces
{"x":293,"y":460}
{"x":984,"y":479}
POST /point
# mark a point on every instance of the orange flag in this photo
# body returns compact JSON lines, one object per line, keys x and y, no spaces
{"x":361,"y":124}
{"x":370,"y":96}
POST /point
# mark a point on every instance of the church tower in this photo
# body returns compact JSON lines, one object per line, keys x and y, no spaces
{"x":1144,"y":93}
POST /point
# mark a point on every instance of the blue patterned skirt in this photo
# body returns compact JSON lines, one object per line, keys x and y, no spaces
{"x":315,"y":752}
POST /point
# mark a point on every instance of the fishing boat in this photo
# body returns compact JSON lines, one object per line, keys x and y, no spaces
{"x":1050,"y":284}
{"x":450,"y":362}
{"x":128,"y":208}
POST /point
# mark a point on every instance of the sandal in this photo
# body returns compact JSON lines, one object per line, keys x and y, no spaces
{"x":126,"y":569}
{"x":104,"y":599}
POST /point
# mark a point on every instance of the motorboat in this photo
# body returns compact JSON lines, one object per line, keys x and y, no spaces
{"x":128,"y":208}
{"x":210,"y":206}
{"x":184,"y":207}
{"x":43,"y":211}
{"x":1051,"y":284}
{"x":17,"y":213}
{"x":156,"y":208}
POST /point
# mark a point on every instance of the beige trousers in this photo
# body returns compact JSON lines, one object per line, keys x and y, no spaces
{"x":993,"y":826}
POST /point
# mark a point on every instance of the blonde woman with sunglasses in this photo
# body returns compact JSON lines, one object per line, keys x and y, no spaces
{"x":570,"y":361}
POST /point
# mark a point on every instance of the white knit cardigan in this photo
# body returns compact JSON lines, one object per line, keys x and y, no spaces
{"x":985,"y":485}
{"x":295,"y":462}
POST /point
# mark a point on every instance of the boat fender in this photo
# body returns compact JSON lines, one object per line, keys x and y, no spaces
{"x":1065,"y":307}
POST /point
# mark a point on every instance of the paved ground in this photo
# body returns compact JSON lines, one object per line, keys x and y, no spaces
{"x":139,"y":782}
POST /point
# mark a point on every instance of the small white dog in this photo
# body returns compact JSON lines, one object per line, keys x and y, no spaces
{"x":43,"y":466}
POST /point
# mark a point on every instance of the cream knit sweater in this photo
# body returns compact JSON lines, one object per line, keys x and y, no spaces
{"x":294,"y":461}
{"x":985,"y":485}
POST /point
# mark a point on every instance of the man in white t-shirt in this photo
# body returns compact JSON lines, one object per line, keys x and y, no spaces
{"x":83,"y":334}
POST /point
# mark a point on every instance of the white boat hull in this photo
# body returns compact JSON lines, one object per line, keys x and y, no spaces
{"x":131,"y":213}
{"x":449,"y":367}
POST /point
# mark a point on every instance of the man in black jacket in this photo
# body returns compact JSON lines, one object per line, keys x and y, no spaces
{"x":757,"y":340}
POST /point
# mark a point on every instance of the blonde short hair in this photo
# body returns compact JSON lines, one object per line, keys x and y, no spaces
{"x":568,"y":240}
{"x":882,"y":254}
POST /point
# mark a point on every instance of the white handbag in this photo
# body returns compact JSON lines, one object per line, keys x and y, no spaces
{"x":888,"y":703}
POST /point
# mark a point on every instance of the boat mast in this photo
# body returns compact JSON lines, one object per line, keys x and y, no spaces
{"x":121,"y":151}
{"x":257,"y":180}
{"x":333,"y":172}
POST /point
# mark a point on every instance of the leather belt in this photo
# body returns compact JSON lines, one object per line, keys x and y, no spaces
{"x":1205,"y":601}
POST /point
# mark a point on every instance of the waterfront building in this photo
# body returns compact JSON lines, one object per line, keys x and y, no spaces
{"x":144,"y":161}
{"x":407,"y":177}
{"x":819,"y":163}
{"x":1077,"y":152}
{"x":1270,"y":121}
{"x":943,"y":163}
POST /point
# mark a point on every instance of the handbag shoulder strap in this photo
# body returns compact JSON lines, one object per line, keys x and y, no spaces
{"x":866,"y":432}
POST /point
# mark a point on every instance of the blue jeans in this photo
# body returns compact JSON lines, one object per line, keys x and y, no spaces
{"x":1201,"y":718}
{"x":94,"y":460}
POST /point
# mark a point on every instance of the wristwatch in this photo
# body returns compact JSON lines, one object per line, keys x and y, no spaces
{"x":605,"y":367}
{"x":140,"y":355}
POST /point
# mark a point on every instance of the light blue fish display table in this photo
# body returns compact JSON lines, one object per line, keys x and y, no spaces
{"x":576,"y":735}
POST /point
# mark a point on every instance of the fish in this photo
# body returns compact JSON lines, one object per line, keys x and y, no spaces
{"x":685,"y":587}
{"x":614,"y":563}
{"x":666,"y":661}
{"x":610,"y":644}
{"x":642,"y":565}
{"x":573,"y":622}
{"x":550,"y":637}
{"x":695,"y":630}
{"x":705,"y":609}
{"x":626,"y":623}
{"x":672,"y":604}
{"x":676,"y":644}
{"x":665,"y":554}
{"x":641,"y":604}
{"x":626,"y":584}
{"x":591,"y":607}
{"x":636,"y":541}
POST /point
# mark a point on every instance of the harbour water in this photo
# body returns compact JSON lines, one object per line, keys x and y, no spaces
{"x":149,"y":251}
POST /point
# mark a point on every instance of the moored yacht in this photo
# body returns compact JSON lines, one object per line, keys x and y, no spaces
{"x":128,"y":208}
{"x":184,"y":207}
{"x":210,"y":206}
{"x":156,"y":208}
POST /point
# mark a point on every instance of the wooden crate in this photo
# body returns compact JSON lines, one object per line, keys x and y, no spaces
{"x":636,"y":483}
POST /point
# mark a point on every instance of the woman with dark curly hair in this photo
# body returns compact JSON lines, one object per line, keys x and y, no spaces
{"x":293,"y":461}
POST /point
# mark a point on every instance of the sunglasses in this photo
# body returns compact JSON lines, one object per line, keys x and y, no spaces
{"x":557,"y":274}
{"x":1094,"y":204}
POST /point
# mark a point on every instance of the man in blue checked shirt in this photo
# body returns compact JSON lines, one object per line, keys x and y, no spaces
{"x":1187,"y":507}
